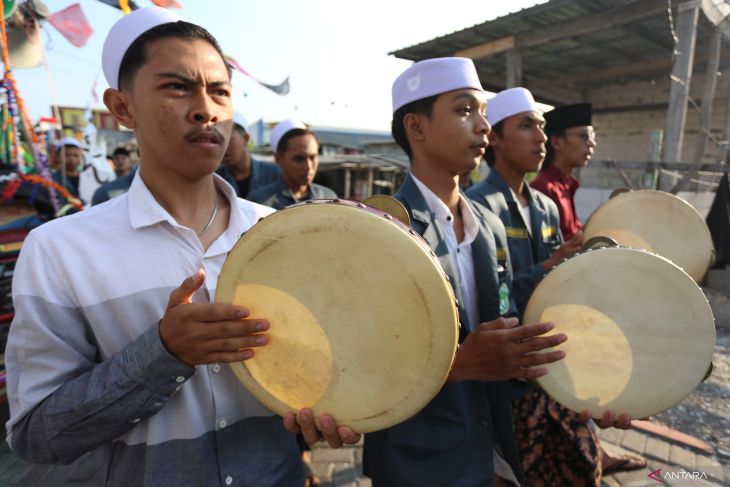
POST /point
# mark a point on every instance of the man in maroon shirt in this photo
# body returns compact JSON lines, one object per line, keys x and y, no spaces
{"x":571,"y":142}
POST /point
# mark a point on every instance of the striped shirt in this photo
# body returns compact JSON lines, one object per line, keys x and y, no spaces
{"x":87,"y":369}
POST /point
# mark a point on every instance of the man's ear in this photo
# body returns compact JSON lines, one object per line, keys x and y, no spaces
{"x":556,"y":141}
{"x":493,"y":138}
{"x":119,"y":104}
{"x":413,"y":123}
{"x":246,"y":138}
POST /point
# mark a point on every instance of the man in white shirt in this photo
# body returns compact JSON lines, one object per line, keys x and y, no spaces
{"x":531,"y":219}
{"x":464,"y":435}
{"x":556,"y":444}
{"x":128,"y":354}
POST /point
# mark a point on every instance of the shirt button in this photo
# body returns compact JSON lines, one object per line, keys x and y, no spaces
{"x":222,"y":423}
{"x":229,"y":480}
{"x":216,"y":368}
{"x":448,"y":218}
{"x":179,"y":379}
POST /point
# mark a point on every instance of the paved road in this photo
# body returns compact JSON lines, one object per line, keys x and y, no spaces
{"x":680,"y":457}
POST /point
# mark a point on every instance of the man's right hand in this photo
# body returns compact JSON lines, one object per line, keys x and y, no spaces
{"x":565,"y":251}
{"x":208,"y":333}
{"x":500,"y":350}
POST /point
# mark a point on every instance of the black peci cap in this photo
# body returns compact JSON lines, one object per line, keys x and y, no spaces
{"x":567,"y":116}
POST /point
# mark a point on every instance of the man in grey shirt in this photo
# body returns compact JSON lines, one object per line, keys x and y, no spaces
{"x":129,"y":354}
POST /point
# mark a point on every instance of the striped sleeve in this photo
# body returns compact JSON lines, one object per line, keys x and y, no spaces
{"x":63,"y":400}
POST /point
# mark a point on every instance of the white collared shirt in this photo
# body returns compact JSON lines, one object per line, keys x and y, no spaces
{"x":461,"y":251}
{"x":526,"y":215}
{"x":118,"y":263}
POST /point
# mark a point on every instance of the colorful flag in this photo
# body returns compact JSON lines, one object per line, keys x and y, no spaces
{"x":115,"y":3}
{"x":124,"y":5}
{"x":234,"y":64}
{"x":167,"y":3}
{"x":280,"y":89}
{"x":94,"y":94}
{"x":72,"y":24}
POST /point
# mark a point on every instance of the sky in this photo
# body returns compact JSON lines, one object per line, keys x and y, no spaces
{"x":335,"y":53}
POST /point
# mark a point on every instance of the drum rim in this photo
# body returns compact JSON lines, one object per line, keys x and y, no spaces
{"x":546,"y":380}
{"x":661,"y":194}
{"x":269,"y":400}
{"x":640,"y":192}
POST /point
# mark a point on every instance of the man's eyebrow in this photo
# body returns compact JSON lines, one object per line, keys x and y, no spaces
{"x":191,"y":81}
{"x":180,"y":76}
{"x":218,"y":84}
{"x":531,"y":117}
{"x":468,"y":96}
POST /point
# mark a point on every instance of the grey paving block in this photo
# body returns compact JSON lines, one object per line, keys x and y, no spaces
{"x":344,"y":455}
{"x":633,"y":440}
{"x":633,"y":478}
{"x":358,"y":456}
{"x":657,"y":449}
{"x":344,"y":475}
{"x":345,"y":484}
{"x":609,"y":482}
{"x":681,"y":457}
{"x":711,"y":467}
{"x":323,"y":470}
{"x":689,"y":482}
{"x":611,"y":435}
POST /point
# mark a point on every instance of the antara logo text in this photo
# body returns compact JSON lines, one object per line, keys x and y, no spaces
{"x":681,"y":475}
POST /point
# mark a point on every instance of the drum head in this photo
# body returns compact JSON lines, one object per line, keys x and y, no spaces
{"x":658,"y":222}
{"x":363,"y":321}
{"x":640,"y":332}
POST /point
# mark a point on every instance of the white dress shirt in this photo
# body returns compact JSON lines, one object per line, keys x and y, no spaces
{"x":461,"y":251}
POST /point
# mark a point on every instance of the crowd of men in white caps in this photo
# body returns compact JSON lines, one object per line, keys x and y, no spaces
{"x":125,"y":354}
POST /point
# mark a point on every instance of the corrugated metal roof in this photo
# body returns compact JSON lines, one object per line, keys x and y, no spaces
{"x":639,"y":48}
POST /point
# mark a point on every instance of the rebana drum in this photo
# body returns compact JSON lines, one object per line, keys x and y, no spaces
{"x":658,"y":222}
{"x":640,"y":332}
{"x":364,"y":324}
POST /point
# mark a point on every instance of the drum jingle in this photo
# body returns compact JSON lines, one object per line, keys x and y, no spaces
{"x":640,"y":332}
{"x":658,"y":222}
{"x":364,"y":324}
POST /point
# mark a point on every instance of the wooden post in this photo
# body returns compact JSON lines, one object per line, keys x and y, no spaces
{"x":687,"y":14}
{"x":708,"y":96}
{"x":706,"y":117}
{"x":348,"y":183}
{"x":371,"y":174}
{"x":514,"y":68}
{"x":725,"y":147}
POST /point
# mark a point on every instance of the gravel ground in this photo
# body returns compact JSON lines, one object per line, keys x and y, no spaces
{"x":705,"y":414}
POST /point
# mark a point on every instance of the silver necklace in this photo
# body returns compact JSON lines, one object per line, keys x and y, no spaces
{"x":212,"y":216}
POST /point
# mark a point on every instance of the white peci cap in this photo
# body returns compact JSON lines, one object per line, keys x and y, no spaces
{"x":510,"y":102}
{"x":433,"y":77}
{"x":282,"y":128}
{"x":68,"y":141}
{"x":124,"y":33}
{"x":240,"y":120}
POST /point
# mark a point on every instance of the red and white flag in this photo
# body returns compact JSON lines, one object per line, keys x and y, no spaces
{"x":72,"y":24}
{"x":280,"y":89}
{"x":167,"y":3}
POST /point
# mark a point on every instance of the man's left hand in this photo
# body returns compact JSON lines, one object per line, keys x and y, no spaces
{"x":328,"y":430}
